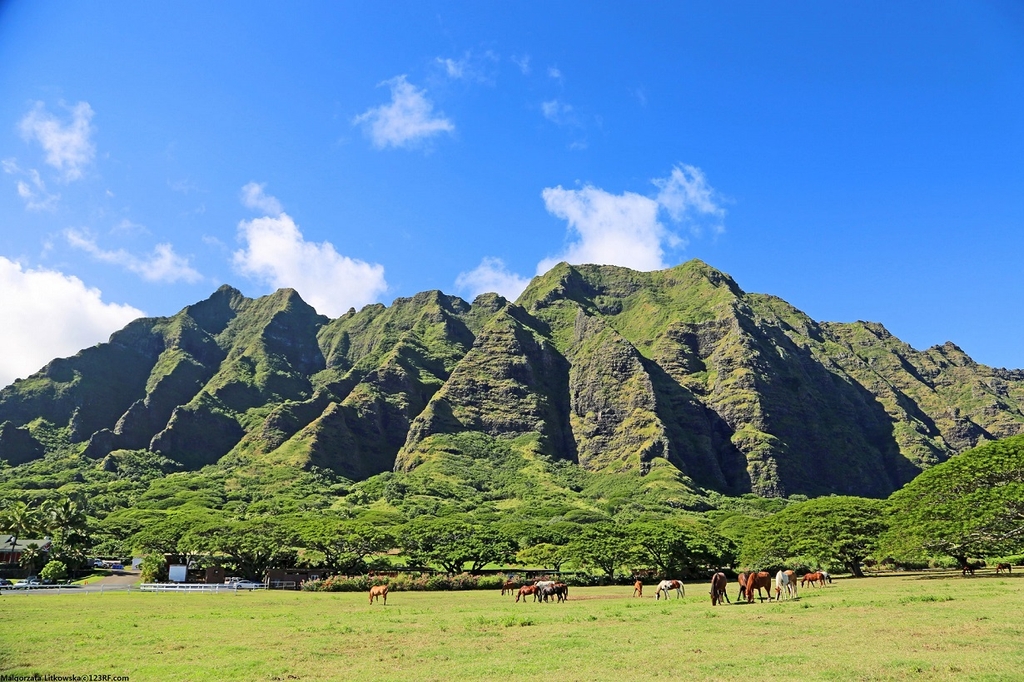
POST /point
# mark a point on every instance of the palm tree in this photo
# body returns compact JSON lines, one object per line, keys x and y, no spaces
{"x":19,"y":520}
{"x":66,"y":522}
{"x":64,"y":516}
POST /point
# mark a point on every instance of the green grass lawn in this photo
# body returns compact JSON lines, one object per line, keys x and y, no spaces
{"x":913,"y":626}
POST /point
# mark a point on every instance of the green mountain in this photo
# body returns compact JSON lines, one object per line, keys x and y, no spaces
{"x":676,"y":380}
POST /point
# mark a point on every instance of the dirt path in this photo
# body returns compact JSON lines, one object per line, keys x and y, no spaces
{"x":117,"y":579}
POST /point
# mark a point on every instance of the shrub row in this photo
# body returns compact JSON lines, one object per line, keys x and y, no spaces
{"x":405,"y":582}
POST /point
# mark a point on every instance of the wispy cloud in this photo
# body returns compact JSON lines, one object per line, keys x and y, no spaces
{"x":689,"y":199}
{"x":523,"y":63}
{"x":277,"y":254}
{"x":68,"y":145}
{"x":476,"y":67}
{"x":491,"y":275}
{"x":163,"y":265}
{"x":47,"y":314}
{"x":555,"y":73}
{"x":559,"y":113}
{"x":407,"y":120}
{"x":33,"y":191}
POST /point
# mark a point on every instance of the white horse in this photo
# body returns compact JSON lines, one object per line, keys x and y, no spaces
{"x":826,"y":576}
{"x":784,"y":584}
{"x":668,"y":585}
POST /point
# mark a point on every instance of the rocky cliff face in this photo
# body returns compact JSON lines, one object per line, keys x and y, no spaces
{"x":609,"y":368}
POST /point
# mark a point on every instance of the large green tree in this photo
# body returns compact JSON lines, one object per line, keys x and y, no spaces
{"x":452,"y":542}
{"x":678,"y":550}
{"x":971,"y":505}
{"x":251,"y":547}
{"x":344,"y":544}
{"x":827,"y":531}
{"x":605,"y":546}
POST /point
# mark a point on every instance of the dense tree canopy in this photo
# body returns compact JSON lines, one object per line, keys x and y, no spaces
{"x":453,"y":542}
{"x":344,"y":545}
{"x":827,"y":531}
{"x":970,"y":505}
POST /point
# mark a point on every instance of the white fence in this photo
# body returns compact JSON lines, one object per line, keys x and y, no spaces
{"x":196,"y":587}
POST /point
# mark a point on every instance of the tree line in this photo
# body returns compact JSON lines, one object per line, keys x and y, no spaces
{"x":970,"y":506}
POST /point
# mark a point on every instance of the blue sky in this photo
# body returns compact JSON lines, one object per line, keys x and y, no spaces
{"x":864,"y":162}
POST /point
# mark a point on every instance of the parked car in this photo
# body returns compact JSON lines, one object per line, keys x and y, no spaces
{"x":31,"y":581}
{"x":247,"y":585}
{"x":4,"y":582}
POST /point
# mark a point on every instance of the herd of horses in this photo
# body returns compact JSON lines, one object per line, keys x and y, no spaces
{"x":784,"y":585}
{"x":542,"y":590}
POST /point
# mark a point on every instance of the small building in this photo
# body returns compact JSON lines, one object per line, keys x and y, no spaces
{"x":292,"y":578}
{"x":11,"y":550}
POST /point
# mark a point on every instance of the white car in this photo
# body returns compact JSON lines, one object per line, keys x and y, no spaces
{"x":247,"y":585}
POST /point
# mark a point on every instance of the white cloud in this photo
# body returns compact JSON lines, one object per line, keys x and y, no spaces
{"x":277,"y":254}
{"x":523,"y":63}
{"x":491,"y":275}
{"x":255,"y":198}
{"x":47,"y":314}
{"x":554,"y":72}
{"x":68,"y":146}
{"x":408,"y":119}
{"x":163,"y":265}
{"x":625,"y":229}
{"x":611,"y":229}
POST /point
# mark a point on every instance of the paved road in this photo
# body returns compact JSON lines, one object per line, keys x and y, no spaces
{"x":117,"y":581}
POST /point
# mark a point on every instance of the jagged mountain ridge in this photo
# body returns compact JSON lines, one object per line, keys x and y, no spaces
{"x":613,"y":369}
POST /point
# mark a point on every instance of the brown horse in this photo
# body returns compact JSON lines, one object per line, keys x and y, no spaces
{"x":638,"y":588}
{"x":742,"y":580}
{"x":561,"y":592}
{"x":509,"y":587}
{"x":379,"y":591}
{"x":718,"y":593}
{"x":1004,"y":567}
{"x":525,"y":591}
{"x":757,"y":581}
{"x":813,"y":578}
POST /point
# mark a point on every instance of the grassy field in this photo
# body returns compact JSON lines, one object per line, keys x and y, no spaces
{"x":914,"y":626}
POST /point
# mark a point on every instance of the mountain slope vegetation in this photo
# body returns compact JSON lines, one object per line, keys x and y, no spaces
{"x":600,"y":387}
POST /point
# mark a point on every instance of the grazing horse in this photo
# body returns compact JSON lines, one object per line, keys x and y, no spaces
{"x":756,"y":581}
{"x":379,"y":591}
{"x":813,"y":579}
{"x":783,"y":585}
{"x":509,"y":587}
{"x":561,"y":592}
{"x":525,"y":591}
{"x":668,"y":585}
{"x":742,"y":580}
{"x":718,"y":592}
{"x":638,"y":588}
{"x":792,"y":580}
{"x":969,"y":567}
{"x":827,"y":576}
{"x":1004,"y":567}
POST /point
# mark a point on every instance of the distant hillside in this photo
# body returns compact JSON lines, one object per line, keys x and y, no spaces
{"x":677,"y":371}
